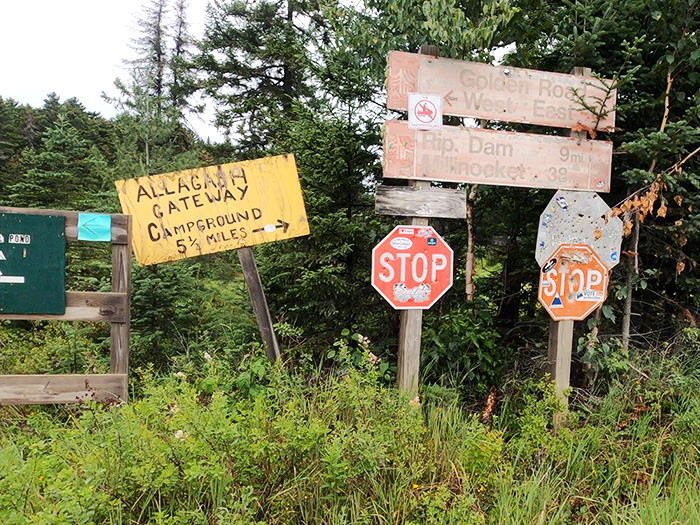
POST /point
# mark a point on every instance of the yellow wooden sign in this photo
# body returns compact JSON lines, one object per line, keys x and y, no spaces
{"x":217,"y":208}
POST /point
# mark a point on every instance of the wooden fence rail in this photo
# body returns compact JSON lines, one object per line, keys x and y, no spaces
{"x":112,"y":307}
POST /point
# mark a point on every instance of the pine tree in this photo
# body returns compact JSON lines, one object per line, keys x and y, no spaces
{"x":67,"y":172}
{"x":255,"y":64}
{"x":13,"y":118}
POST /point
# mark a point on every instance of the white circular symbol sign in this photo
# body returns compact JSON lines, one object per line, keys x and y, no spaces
{"x":424,"y":111}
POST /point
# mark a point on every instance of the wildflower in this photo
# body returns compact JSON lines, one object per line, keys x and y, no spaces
{"x":207,"y":356}
{"x":416,"y":486}
{"x":415,"y":402}
{"x":181,"y":435}
{"x":181,"y":375}
{"x":362,"y":340}
{"x":373,"y":359}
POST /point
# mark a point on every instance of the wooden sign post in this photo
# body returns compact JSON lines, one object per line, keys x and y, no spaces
{"x":412,"y":268}
{"x":411,"y":321}
{"x":573,"y":217}
{"x":477,"y":156}
{"x":561,"y":332}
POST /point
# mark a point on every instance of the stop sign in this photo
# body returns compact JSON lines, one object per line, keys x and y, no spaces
{"x":573,"y":282}
{"x":412,"y":267}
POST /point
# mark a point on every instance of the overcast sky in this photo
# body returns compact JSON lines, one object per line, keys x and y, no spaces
{"x":74,"y":48}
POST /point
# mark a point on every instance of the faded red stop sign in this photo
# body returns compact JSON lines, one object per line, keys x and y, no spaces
{"x":573,"y":282}
{"x":412,"y":267}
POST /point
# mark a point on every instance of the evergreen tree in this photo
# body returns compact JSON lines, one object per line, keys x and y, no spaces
{"x":13,"y":120}
{"x":652,"y":49}
{"x":320,"y":283}
{"x":152,"y":103}
{"x":66,"y":173}
{"x":255,"y":64}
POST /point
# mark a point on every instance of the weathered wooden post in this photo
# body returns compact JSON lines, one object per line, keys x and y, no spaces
{"x":257,"y":297}
{"x":561,"y":333}
{"x":411,"y":321}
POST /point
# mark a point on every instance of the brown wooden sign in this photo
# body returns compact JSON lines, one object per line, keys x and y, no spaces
{"x":471,"y":89}
{"x":479,"y":156}
{"x":421,"y":202}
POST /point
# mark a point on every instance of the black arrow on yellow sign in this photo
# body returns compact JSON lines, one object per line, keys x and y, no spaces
{"x":269,"y":228}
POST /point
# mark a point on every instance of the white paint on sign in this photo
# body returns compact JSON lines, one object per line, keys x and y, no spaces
{"x":11,"y":279}
{"x":420,"y":266}
{"x":576,"y":281}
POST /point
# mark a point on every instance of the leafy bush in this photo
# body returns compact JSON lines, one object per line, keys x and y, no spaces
{"x":232,"y":438}
{"x":245,"y":445}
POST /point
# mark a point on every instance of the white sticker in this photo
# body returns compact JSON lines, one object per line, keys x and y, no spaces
{"x":589,"y":296}
{"x":424,"y":111}
{"x":401,"y":243}
{"x":19,"y":238}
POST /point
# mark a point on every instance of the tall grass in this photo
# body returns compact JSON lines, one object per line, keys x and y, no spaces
{"x":250,"y":444}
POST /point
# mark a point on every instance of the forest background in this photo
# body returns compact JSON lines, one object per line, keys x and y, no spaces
{"x":307,"y":77}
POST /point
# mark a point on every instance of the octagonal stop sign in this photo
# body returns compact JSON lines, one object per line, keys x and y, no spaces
{"x":412,"y":267}
{"x":573,"y":282}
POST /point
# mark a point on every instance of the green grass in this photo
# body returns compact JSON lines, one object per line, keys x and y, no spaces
{"x":251,"y":444}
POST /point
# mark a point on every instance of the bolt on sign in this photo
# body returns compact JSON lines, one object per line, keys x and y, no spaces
{"x":573,"y":217}
{"x":412,"y":267}
{"x":212,"y":209}
{"x":32,"y":264}
{"x":471,"y":89}
{"x":480,"y":156}
{"x":573,"y":282}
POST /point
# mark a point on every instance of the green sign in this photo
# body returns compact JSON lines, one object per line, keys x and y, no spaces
{"x":32,"y":264}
